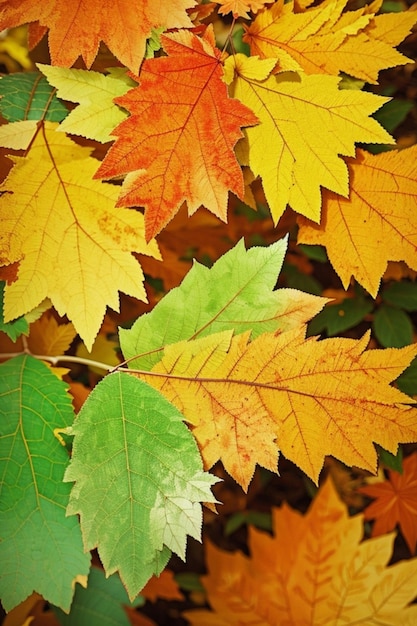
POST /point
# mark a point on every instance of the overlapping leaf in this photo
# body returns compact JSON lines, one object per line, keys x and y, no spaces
{"x":325,"y":40}
{"x":72,"y":244}
{"x":41,"y":548}
{"x":376,"y":224}
{"x":307,"y":398}
{"x":395,"y":503}
{"x":138,"y":479}
{"x":76,"y":29}
{"x":306,"y":124}
{"x":314,"y":570}
{"x":235,"y":294}
{"x":240,"y":8}
{"x":97,"y":115}
{"x":177,"y":145}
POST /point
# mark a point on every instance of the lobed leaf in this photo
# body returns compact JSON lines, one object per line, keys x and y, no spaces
{"x":235,"y":294}
{"x":139,"y":479}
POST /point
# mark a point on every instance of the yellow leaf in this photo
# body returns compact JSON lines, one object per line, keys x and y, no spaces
{"x":314,"y":571}
{"x":97,"y":115}
{"x":73,"y":245}
{"x":325,"y":40}
{"x":307,"y":398}
{"x":17,"y":135}
{"x":376,"y":224}
{"x":306,"y":123}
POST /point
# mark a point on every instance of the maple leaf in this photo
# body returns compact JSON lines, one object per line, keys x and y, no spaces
{"x":77,"y":28}
{"x":314,"y":570}
{"x":97,"y":115}
{"x":323,"y":40}
{"x":55,"y":216}
{"x":178,"y":142}
{"x":47,"y":337}
{"x":396,"y":503}
{"x":224,"y":297}
{"x":240,"y":8}
{"x":307,"y":398}
{"x":138,"y":479}
{"x":376,"y":224}
{"x":306,"y":124}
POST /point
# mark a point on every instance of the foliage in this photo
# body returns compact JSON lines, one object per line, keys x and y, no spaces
{"x":193,"y":193}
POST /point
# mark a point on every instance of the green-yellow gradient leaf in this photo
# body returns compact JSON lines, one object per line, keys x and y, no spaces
{"x":97,"y":115}
{"x":41,"y":548}
{"x":235,"y":294}
{"x":139,"y":479}
{"x":27,"y":96}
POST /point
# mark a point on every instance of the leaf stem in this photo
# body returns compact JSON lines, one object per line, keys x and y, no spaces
{"x":57,"y":359}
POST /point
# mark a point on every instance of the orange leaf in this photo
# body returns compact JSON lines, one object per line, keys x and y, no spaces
{"x":47,"y":337}
{"x":377,"y":224}
{"x":307,"y":398}
{"x":76,"y":28}
{"x":314,"y":571}
{"x":162,"y":586}
{"x":396,"y":503}
{"x":240,"y":8}
{"x":178,"y":142}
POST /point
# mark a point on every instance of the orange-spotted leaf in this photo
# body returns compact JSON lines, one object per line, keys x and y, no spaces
{"x":314,"y":571}
{"x":306,"y":124}
{"x":178,"y":142}
{"x":73,"y":246}
{"x":77,"y":28}
{"x":240,"y":8}
{"x":307,"y":398}
{"x":326,"y":39}
{"x":395,"y":503}
{"x":376,"y":224}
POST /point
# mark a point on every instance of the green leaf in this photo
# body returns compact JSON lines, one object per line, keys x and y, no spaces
{"x":298,"y":280}
{"x":101,"y":604}
{"x":253,"y":518}
{"x":15,"y":328}
{"x":392,"y":113}
{"x":236,"y":293}
{"x":391,"y":461}
{"x":153,"y":44}
{"x":336,"y":318}
{"x":313,"y":252}
{"x":392,"y":327}
{"x":41,"y":548}
{"x":402,"y":295}
{"x":139,"y":479}
{"x":407,"y":382}
{"x":27,"y":96}
{"x":97,"y":115}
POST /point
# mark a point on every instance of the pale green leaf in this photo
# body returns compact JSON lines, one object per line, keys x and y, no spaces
{"x":97,"y":115}
{"x":41,"y":548}
{"x":139,"y":479}
{"x":236,"y":293}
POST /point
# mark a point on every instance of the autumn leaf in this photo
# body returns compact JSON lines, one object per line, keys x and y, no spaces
{"x":307,"y":123}
{"x":240,"y":8}
{"x":395,"y":503}
{"x":47,"y":337}
{"x":77,"y":29}
{"x":224,"y":297}
{"x":178,"y":142}
{"x":138,"y":476}
{"x":325,"y":39}
{"x":315,"y":570}
{"x":97,"y":115}
{"x":376,"y":224}
{"x":163,"y":586}
{"x":307,"y":398}
{"x":55,"y":217}
{"x":41,"y":548}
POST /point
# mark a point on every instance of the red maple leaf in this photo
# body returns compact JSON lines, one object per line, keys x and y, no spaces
{"x":177,"y":144}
